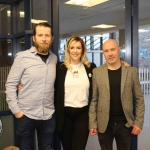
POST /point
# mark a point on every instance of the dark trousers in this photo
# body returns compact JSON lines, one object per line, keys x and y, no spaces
{"x":120,"y":132}
{"x":25,"y":130}
{"x":75,"y":130}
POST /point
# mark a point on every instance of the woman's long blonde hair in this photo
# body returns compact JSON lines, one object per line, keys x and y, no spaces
{"x":84,"y":58}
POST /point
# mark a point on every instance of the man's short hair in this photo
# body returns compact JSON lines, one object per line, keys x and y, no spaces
{"x":44,"y":24}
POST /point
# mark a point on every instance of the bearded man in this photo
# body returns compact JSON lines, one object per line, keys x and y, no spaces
{"x":33,"y":106}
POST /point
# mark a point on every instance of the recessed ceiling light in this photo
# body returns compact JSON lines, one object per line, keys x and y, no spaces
{"x":9,"y":54}
{"x":8,"y":13}
{"x":99,"y":35}
{"x":21,"y":13}
{"x":88,"y":3}
{"x":103,"y":26}
{"x":37,"y":21}
{"x":147,"y":40}
{"x":143,"y":30}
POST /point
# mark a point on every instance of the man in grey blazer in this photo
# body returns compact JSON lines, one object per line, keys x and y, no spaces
{"x":115,"y":91}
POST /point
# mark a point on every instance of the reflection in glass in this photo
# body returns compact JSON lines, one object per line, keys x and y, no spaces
{"x":21,"y":44}
{"x":21,"y":16}
{"x":39,"y":11}
{"x":5,"y":53}
{"x":5,"y":20}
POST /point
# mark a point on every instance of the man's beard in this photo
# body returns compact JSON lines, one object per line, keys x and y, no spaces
{"x":43,"y":48}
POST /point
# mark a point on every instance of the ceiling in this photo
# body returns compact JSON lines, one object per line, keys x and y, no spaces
{"x":77,"y":20}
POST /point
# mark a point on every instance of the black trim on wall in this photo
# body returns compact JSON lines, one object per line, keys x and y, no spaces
{"x":6,"y":2}
{"x":28,"y":26}
{"x":128,"y":42}
{"x":131,"y":43}
{"x":131,"y":31}
{"x":135,"y":33}
{"x":5,"y":36}
{"x":53,"y":20}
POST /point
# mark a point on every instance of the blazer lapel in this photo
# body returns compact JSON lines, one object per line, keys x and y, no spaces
{"x":105,"y":76}
{"x":123,"y":77}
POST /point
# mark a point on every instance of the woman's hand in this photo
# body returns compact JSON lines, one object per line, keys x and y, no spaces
{"x":19,"y":87}
{"x":125,"y":63}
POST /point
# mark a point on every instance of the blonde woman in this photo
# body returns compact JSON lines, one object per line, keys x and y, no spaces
{"x":73,"y":91}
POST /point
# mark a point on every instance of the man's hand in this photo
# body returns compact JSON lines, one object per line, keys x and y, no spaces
{"x":93,"y":131}
{"x":19,"y":114}
{"x":136,"y":130}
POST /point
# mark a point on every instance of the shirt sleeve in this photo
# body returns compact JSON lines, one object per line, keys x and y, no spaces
{"x":14,"y":78}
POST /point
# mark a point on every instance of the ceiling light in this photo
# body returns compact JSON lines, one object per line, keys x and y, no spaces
{"x":147,"y":40}
{"x":9,"y":54}
{"x":78,"y":1}
{"x":88,"y":3}
{"x":21,"y":14}
{"x":99,"y":35}
{"x":8,"y":13}
{"x":103,"y":26}
{"x":123,"y":50}
{"x":37,"y":21}
{"x":143,"y":30}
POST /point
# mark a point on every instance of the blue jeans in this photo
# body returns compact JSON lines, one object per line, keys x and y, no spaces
{"x":25,"y":130}
{"x":120,"y":132}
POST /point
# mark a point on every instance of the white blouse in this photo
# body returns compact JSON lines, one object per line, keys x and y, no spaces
{"x":76,"y":87}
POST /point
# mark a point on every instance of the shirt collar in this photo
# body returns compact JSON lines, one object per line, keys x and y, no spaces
{"x":32,"y":50}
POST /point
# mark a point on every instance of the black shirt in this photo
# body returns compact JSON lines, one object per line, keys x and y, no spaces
{"x":43,"y":57}
{"x":116,"y":110}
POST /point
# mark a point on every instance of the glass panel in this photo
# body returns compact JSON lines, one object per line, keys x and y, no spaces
{"x":105,"y":36}
{"x":39,"y":11}
{"x":88,"y":42}
{"x":144,"y":69}
{"x":144,"y":75}
{"x":21,"y":16}
{"x":5,"y":53}
{"x":97,"y":58}
{"x":5,"y":19}
{"x":89,"y":55}
{"x":96,"y":43}
{"x":62,"y":44}
{"x":62,"y":49}
{"x":21,"y":44}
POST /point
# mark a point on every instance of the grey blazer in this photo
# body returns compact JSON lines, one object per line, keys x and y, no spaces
{"x":130,"y":91}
